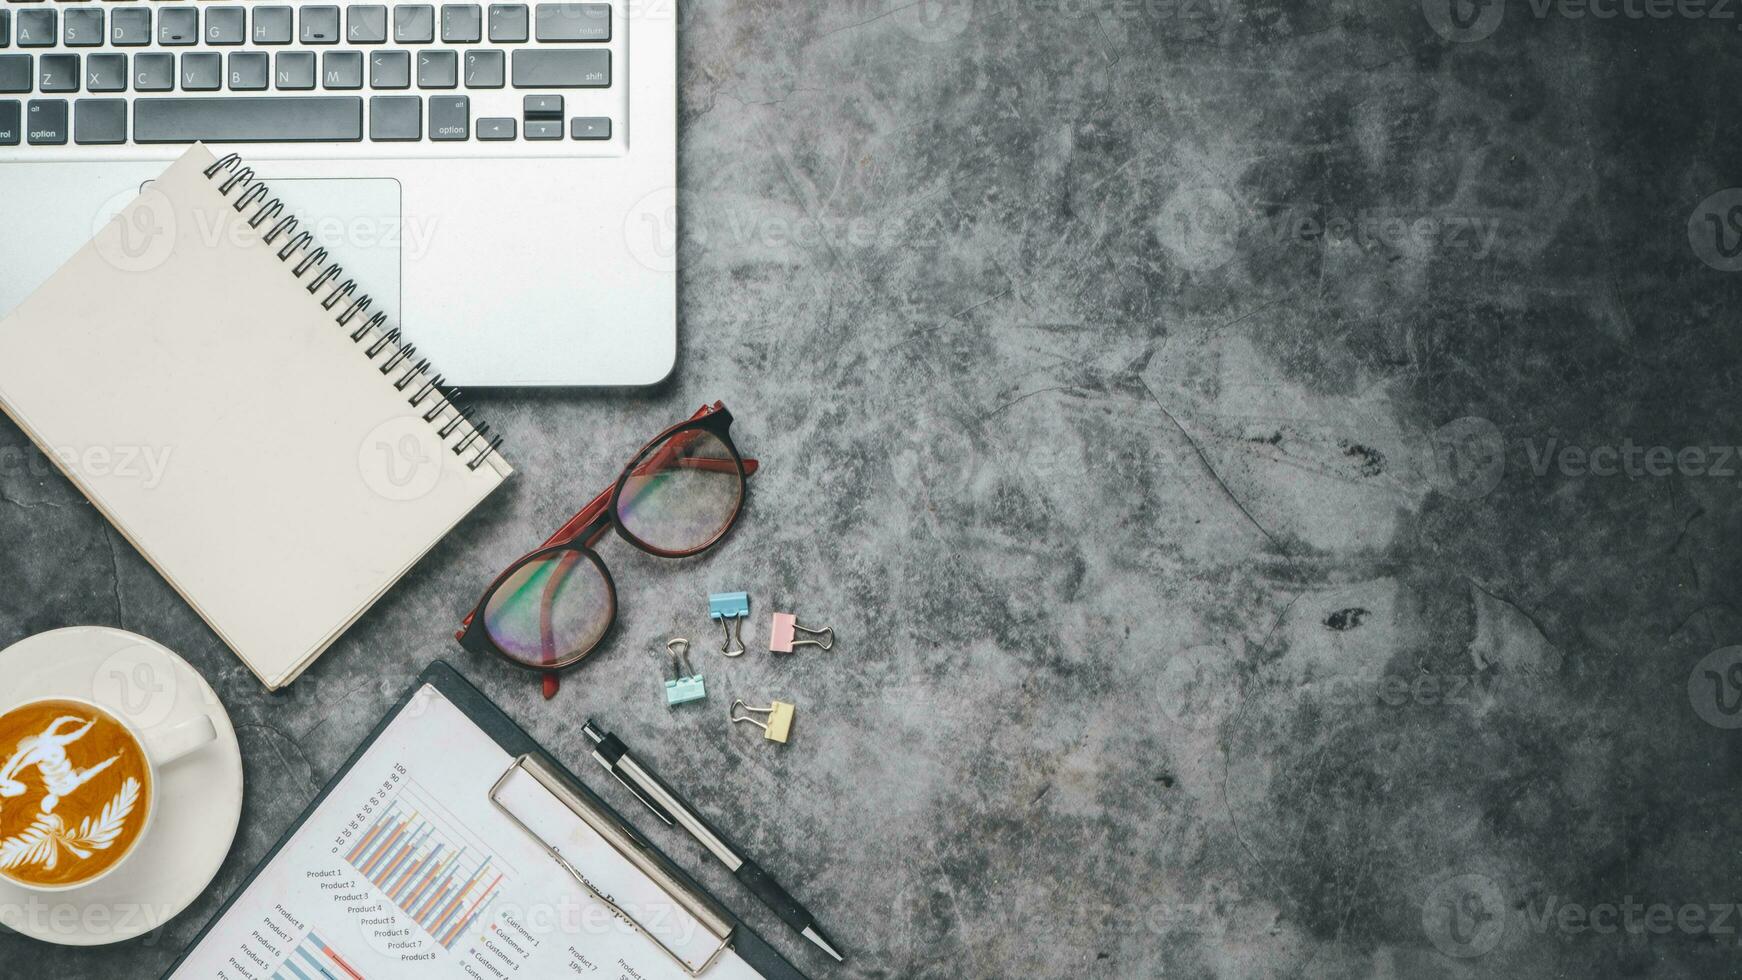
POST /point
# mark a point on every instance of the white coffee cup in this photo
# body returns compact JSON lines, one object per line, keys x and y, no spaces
{"x":158,"y":748}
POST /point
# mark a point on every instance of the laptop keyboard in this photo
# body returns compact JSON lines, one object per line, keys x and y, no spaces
{"x":150,"y":72}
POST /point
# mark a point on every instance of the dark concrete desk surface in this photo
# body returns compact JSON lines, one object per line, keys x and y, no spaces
{"x":1108,"y":366}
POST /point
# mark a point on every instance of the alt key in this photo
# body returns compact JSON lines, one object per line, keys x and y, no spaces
{"x":589,"y":128}
{"x":46,"y":122}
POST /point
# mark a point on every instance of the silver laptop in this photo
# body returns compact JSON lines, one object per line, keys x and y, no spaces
{"x":500,"y":177}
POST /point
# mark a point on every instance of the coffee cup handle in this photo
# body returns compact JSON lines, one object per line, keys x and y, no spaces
{"x":168,"y":746}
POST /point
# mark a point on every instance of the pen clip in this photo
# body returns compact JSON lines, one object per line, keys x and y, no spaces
{"x":658,"y":810}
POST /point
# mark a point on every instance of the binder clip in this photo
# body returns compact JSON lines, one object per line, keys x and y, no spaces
{"x":779,"y":714}
{"x":783,"y":631}
{"x":685,"y":684}
{"x":725,"y":606}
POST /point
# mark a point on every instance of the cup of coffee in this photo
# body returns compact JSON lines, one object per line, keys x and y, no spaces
{"x":78,"y":787}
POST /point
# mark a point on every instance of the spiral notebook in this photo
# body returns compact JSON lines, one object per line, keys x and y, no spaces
{"x":217,"y":387}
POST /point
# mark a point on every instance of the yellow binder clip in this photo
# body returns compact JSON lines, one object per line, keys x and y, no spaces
{"x":779,"y":714}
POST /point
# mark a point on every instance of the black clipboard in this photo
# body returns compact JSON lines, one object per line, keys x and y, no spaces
{"x":513,"y":739}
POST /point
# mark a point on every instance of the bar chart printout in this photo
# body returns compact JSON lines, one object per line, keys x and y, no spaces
{"x":426,"y":867}
{"x":313,"y":959}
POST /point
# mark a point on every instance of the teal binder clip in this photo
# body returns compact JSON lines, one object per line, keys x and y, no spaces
{"x":726,"y":607}
{"x":685,"y":684}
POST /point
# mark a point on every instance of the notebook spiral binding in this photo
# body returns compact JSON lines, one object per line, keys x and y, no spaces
{"x":383,"y":346}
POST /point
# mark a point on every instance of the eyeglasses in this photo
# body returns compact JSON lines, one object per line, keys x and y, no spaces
{"x":677,"y":497}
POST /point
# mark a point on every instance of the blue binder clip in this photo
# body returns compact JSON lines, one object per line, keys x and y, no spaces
{"x":685,"y":684}
{"x":727,"y":606}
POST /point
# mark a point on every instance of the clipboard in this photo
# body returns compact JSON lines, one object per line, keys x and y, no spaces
{"x":531,"y":758}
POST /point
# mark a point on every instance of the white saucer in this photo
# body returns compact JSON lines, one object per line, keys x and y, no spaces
{"x":199,"y":795}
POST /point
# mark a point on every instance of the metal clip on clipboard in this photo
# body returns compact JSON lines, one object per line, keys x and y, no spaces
{"x":634,"y":848}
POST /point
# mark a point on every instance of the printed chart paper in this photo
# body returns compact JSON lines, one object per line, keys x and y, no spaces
{"x":408,"y":869}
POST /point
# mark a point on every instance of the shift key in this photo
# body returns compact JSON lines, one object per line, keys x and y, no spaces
{"x":562,"y":68}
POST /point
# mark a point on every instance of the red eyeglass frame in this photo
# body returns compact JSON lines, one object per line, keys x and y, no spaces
{"x":582,"y":531}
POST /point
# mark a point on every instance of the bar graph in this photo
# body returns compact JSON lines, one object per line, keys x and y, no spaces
{"x":427,"y":866}
{"x":314,"y":959}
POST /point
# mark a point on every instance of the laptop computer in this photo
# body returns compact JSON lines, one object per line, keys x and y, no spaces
{"x":500,"y":177}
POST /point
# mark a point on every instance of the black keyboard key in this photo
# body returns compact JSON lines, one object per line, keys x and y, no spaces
{"x":462,"y":23}
{"x":485,"y":69}
{"x":15,"y":72}
{"x":542,"y":106}
{"x":272,"y":25}
{"x":6,"y":35}
{"x":496,"y":129}
{"x":249,"y":119}
{"x":153,"y":72}
{"x":562,"y":68}
{"x":395,"y":118}
{"x":130,"y":27}
{"x":57,"y":73}
{"x":366,"y":24}
{"x":544,"y":129}
{"x":320,"y":25}
{"x":390,"y":69}
{"x":437,"y":69}
{"x":100,"y":121}
{"x":342,"y":69}
{"x":450,"y":117}
{"x":590,"y":128}
{"x":106,"y":73}
{"x":45,"y":123}
{"x":507,"y":25}
{"x":36,"y":28}
{"x":249,"y":71}
{"x":226,"y":25}
{"x":178,"y":26}
{"x":414,"y":23}
{"x":83,"y":27}
{"x":294,"y":71}
{"x":11,"y":115}
{"x":201,"y":71}
{"x":568,"y":22}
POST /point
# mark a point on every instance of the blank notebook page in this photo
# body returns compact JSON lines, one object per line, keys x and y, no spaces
{"x":298,"y":483}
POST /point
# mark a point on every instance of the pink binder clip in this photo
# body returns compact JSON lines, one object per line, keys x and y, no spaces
{"x":783,"y":631}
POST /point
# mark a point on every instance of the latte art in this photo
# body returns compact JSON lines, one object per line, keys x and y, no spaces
{"x":75,"y":790}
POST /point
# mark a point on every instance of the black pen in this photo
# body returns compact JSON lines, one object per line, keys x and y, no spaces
{"x":668,"y":806}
